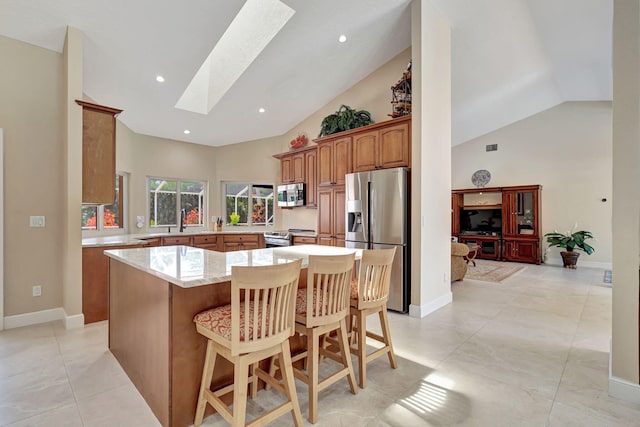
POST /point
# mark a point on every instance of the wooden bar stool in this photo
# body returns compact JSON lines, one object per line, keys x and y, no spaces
{"x":320,"y":309}
{"x":255,"y":326}
{"x":369,"y":294}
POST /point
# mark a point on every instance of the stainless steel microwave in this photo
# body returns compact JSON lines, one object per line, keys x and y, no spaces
{"x":291,"y":195}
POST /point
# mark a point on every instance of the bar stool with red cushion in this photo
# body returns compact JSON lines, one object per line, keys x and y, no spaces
{"x":320,"y":309}
{"x":255,"y":326}
{"x":369,"y":294}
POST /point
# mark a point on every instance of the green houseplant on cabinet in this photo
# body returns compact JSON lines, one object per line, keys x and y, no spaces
{"x":571,"y":241}
{"x":344,"y":119}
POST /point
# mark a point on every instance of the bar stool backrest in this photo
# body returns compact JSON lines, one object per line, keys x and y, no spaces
{"x":374,"y":277}
{"x":268,"y":296}
{"x":328,"y":281}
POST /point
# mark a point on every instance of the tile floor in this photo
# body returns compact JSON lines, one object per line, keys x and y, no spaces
{"x":532,"y":351}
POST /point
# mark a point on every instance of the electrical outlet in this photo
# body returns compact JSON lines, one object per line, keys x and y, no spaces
{"x":37,"y":290}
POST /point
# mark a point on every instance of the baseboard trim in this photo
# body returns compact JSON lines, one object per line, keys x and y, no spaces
{"x":426,"y":309}
{"x":44,"y":316}
{"x":624,"y":390}
{"x":73,"y":322}
{"x":581,"y":263}
{"x":34,"y":318}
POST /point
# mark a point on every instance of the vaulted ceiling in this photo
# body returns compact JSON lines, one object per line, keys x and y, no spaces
{"x":510,"y":59}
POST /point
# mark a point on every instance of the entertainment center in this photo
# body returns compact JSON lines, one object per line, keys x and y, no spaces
{"x":503,"y":221}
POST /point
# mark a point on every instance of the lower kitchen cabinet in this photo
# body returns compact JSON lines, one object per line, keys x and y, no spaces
{"x":95,"y":282}
{"x":304,"y":240}
{"x":242,"y":242}
{"x":176,"y":240}
{"x":206,"y":241}
{"x":95,"y":265}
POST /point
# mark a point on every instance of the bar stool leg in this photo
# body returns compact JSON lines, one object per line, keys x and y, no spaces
{"x":207,"y":374}
{"x":254,"y":380}
{"x":361,"y":321}
{"x":312,"y":371}
{"x":240,"y":383}
{"x":384,"y":322}
{"x":346,"y":355}
{"x":289,"y":382}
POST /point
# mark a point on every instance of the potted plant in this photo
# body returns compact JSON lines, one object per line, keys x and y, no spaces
{"x":344,"y":119}
{"x":570,"y":241}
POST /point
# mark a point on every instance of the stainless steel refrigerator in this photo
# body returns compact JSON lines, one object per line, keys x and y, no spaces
{"x":377,"y":217}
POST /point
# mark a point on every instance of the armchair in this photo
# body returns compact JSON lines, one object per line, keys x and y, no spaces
{"x":458,"y":261}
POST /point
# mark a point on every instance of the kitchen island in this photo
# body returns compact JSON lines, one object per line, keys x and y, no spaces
{"x":154,"y":293}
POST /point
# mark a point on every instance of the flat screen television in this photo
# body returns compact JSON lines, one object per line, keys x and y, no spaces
{"x":473,"y":220}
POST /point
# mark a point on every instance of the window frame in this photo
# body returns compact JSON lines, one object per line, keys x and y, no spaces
{"x":205,"y":202}
{"x":123,"y":198}
{"x":225,"y":214}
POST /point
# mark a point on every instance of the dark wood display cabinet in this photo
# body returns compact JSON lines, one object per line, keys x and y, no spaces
{"x":490,"y":246}
{"x":503,"y":221}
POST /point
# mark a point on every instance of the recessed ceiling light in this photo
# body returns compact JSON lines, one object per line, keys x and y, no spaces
{"x":160,"y":79}
{"x":261,"y":110}
{"x":187,"y":131}
{"x":342,"y":38}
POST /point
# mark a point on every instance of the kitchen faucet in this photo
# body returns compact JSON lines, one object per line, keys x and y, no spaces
{"x":183,"y":215}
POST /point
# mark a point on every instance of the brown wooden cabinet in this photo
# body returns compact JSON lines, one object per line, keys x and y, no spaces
{"x":206,"y":241}
{"x":311,"y":178}
{"x":95,"y":282}
{"x":521,"y":223}
{"x":176,"y":240}
{"x":334,"y":160}
{"x":292,"y":168}
{"x":331,"y":216}
{"x":301,"y":166}
{"x":490,"y":247}
{"x":456,"y":204}
{"x":242,"y":242}
{"x":519,"y":235}
{"x":385,"y":147}
{"x":304,"y":240}
{"x":98,"y":153}
{"x":521,"y":250}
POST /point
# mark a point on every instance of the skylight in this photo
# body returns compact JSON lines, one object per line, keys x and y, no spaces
{"x":250,"y":32}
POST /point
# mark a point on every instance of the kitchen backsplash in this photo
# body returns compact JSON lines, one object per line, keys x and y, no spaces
{"x":298,"y":218}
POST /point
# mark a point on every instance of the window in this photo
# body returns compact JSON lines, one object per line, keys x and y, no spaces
{"x":111,"y":216}
{"x":248,"y":204}
{"x":170,"y":199}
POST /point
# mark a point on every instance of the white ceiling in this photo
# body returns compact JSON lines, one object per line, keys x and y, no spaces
{"x":511,"y":58}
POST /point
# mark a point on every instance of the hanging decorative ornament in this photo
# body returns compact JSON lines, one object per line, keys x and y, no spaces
{"x":481,"y":178}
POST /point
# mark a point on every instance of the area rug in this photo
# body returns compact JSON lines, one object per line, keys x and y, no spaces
{"x":492,"y":271}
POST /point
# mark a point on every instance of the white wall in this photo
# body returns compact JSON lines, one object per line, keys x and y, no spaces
{"x":568,"y":150}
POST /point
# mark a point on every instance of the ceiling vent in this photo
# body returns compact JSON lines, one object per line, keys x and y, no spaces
{"x":492,"y":147}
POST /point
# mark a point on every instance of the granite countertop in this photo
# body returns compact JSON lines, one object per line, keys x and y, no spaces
{"x":137,"y":239}
{"x":187,"y":267}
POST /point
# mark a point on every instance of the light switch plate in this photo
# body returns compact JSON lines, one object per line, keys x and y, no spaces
{"x":36,"y":221}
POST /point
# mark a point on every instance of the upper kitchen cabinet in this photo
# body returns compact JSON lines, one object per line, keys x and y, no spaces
{"x":292,"y":168}
{"x":301,"y":166}
{"x":98,"y":153}
{"x":311,"y":177}
{"x":334,"y":159}
{"x":383,"y":145}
